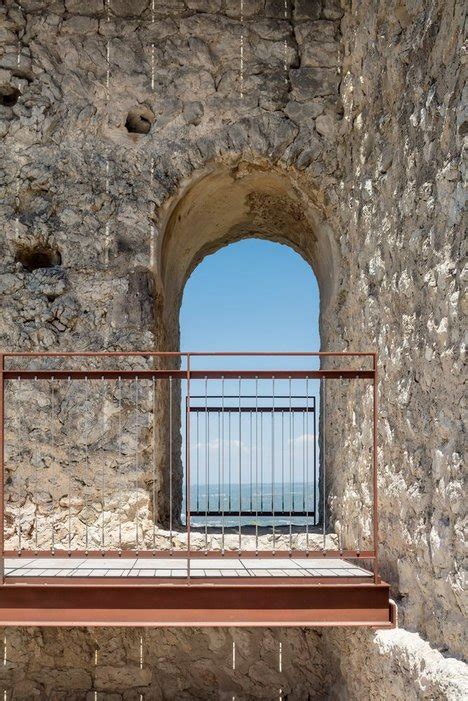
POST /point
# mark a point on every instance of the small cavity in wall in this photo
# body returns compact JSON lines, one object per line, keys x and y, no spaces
{"x":139,"y":120}
{"x":9,"y":95}
{"x":39,"y":255}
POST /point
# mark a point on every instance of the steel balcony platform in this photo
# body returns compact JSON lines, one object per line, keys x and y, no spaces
{"x":196,"y":604}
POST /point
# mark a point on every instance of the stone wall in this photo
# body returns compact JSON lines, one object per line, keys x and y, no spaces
{"x":345,"y":121}
{"x":402,"y":233}
{"x":173,"y":663}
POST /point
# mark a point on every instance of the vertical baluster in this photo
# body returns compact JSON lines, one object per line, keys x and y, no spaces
{"x":52,"y":440}
{"x":69,"y":481}
{"x":197,"y":460}
{"x":256,"y":464}
{"x":262,"y":491}
{"x":219,"y":460}
{"x":291,"y":448}
{"x":103,"y":476}
{"x":18,"y":488}
{"x":315,"y":463}
{"x":282,"y":462}
{"x":306,"y":438}
{"x":120,"y":485}
{"x":153,"y":464}
{"x":324,"y":462}
{"x":87,"y":467}
{"x":273,"y":460}
{"x":304,"y":441}
{"x":240,"y":467}
{"x":207,"y":463}
{"x":38,"y":487}
{"x":222,"y":465}
{"x":293,"y":491}
{"x":137,"y":463}
{"x":170,"y":464}
{"x":229,"y":462}
{"x":250,"y":463}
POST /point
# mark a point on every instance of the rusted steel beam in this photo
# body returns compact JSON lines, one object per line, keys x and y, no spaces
{"x":193,"y":604}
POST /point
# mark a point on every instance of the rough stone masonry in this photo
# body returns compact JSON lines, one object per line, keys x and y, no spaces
{"x":340,"y":133}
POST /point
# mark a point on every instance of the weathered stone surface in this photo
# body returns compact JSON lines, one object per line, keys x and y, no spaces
{"x":416,"y":670}
{"x":356,"y":123}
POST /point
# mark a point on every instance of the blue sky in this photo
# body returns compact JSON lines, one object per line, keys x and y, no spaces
{"x":252,"y":295}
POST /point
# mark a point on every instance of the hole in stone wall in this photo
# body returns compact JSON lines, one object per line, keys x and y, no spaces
{"x":38,"y":256}
{"x":139,"y":120}
{"x":9,"y":95}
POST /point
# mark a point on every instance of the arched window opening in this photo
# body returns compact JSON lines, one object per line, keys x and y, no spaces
{"x":254,"y":461}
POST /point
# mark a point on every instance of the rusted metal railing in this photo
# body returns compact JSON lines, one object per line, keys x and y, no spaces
{"x":238,"y":476}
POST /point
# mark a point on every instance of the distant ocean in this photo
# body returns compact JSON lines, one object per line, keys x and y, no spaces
{"x":273,"y":497}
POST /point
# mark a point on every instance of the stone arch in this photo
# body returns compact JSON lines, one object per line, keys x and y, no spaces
{"x":218,"y":206}
{"x":225,"y":204}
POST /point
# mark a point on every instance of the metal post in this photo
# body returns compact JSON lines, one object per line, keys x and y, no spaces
{"x":137,"y":465}
{"x":240,"y":467}
{"x":273,"y":462}
{"x":307,"y":478}
{"x":324,"y":462}
{"x":103,"y":479}
{"x":374,"y":470}
{"x":153,"y":462}
{"x":171,"y":475}
{"x":315,"y":465}
{"x":222,"y":466}
{"x":69,"y":488}
{"x":187,"y":468}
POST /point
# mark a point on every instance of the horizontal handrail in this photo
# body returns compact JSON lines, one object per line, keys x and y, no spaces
{"x":104,"y":354}
{"x":183,"y":374}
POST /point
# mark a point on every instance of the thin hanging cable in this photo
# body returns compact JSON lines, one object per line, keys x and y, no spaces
{"x":241,"y":76}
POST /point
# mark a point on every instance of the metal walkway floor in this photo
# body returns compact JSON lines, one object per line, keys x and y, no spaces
{"x":177,"y":568}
